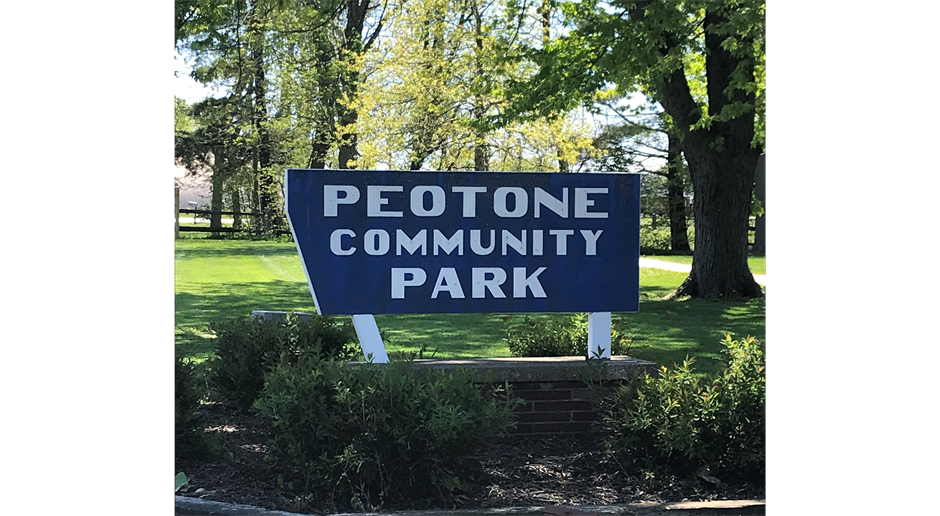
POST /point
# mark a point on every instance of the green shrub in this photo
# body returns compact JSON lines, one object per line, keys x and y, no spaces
{"x":246,"y":348}
{"x":658,"y":240}
{"x":377,"y":435}
{"x":654,"y":240}
{"x":191,"y":440}
{"x":695,"y":428}
{"x":555,"y":337}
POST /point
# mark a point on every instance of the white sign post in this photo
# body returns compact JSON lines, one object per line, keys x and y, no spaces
{"x":599,"y":335}
{"x":369,"y":338}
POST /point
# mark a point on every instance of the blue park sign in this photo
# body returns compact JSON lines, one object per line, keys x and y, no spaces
{"x":384,"y":242}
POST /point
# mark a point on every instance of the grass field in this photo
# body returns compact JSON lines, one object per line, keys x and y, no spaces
{"x":222,"y":279}
{"x":755,"y":263}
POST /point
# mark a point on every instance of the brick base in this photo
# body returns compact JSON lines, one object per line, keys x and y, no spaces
{"x":557,"y":398}
{"x":554,"y":407}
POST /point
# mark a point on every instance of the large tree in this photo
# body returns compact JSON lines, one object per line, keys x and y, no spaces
{"x":703,"y":62}
{"x":209,"y":138}
{"x":639,"y":139}
{"x":331,"y":40}
{"x":430,"y":89}
{"x":229,"y":43}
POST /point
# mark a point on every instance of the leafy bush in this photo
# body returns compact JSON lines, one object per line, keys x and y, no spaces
{"x":654,"y":240}
{"x":191,"y":440}
{"x":377,"y":435}
{"x":711,"y":428}
{"x":658,"y":240}
{"x":556,"y":337}
{"x":246,"y":348}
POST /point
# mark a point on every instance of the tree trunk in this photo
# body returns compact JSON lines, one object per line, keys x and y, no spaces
{"x":356,"y":12}
{"x":481,"y":158}
{"x":721,"y":162}
{"x":562,"y":164}
{"x":262,"y":146}
{"x":481,"y":161}
{"x":324,"y":100}
{"x":255,"y":203}
{"x":217,"y":182}
{"x":678,"y":225}
{"x":262,"y":156}
{"x":346,"y":118}
{"x":237,"y":208}
{"x":722,"y":184}
{"x":349,"y":142}
{"x":321,"y":146}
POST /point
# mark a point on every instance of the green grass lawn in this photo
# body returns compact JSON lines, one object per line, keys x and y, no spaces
{"x":222,"y":279}
{"x":755,"y":263}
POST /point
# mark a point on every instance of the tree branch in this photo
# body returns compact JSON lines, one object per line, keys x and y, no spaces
{"x":674,"y":93}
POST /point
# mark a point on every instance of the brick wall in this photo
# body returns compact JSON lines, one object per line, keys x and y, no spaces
{"x":554,"y":407}
{"x":557,"y":401}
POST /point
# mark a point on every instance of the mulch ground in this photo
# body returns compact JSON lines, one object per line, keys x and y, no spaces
{"x":516,"y":471}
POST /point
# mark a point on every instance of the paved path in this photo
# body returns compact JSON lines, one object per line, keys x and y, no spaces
{"x":682,"y":267}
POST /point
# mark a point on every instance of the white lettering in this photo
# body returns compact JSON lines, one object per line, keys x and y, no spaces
{"x":331,"y":199}
{"x":561,"y":240}
{"x":519,"y":197}
{"x":437,"y":201}
{"x":441,"y":243}
{"x":521,"y":282}
{"x":447,"y":281}
{"x":510,"y":240}
{"x":469,"y":198}
{"x":537,"y":242}
{"x":418,"y":277}
{"x":375,"y":201}
{"x":543,"y":198}
{"x":476,"y":243}
{"x":411,"y":244}
{"x":375,"y":242}
{"x":336,"y":242}
{"x":590,"y":241}
{"x":582,"y":203}
{"x":481,"y":283}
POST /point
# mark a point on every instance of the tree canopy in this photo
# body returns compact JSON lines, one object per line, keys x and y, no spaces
{"x":494,"y":85}
{"x":703,"y":62}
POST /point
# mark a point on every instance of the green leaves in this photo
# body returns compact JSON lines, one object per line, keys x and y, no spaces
{"x":246,"y":349}
{"x":180,"y":482}
{"x":640,"y":45}
{"x":555,"y":337}
{"x":191,"y":439}
{"x":688,"y":424}
{"x":378,"y":435}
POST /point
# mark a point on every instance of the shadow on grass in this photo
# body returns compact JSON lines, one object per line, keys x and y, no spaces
{"x":450,"y":335}
{"x":228,"y":248}
{"x":666,"y":332}
{"x":222,"y":302}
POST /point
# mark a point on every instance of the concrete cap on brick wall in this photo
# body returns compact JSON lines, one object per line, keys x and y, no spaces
{"x":540,"y":369}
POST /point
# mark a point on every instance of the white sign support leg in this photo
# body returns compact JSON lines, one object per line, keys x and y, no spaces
{"x":371,"y":340}
{"x":599,"y":335}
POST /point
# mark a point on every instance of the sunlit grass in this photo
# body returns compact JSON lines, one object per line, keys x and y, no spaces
{"x":218,"y":280}
{"x":755,"y":263}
